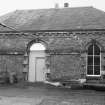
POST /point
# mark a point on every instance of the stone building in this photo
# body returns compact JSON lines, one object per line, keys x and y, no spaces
{"x":71,"y":40}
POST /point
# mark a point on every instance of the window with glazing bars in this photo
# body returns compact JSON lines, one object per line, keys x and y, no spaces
{"x":93,"y":60}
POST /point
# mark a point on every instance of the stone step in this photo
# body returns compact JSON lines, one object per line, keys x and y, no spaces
{"x":95,"y":84}
{"x":92,"y":81}
{"x":96,"y":81}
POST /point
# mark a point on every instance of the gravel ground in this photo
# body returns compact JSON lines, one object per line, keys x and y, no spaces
{"x":48,"y":95}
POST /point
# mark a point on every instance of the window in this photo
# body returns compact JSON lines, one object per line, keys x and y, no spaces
{"x":93,"y":60}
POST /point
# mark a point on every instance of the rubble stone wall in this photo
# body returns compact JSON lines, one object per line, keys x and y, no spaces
{"x":66,"y":50}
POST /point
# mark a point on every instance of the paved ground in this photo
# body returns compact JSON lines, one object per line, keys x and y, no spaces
{"x":45,"y":95}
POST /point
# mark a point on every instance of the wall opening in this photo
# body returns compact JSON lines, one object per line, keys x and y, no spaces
{"x":37,"y":68}
{"x":37,"y":47}
{"x":93,"y":60}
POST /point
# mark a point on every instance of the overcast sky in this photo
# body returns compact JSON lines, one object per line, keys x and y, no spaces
{"x":11,"y":5}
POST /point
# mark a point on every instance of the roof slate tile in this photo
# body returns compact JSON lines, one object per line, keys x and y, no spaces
{"x":55,"y":19}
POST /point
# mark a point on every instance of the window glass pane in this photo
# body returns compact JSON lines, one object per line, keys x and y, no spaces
{"x":90,"y":60}
{"x":90,"y":50}
{"x":90,"y":70}
{"x":96,"y":70}
{"x":96,"y":50}
{"x":96,"y":60}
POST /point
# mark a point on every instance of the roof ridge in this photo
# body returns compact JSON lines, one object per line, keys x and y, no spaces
{"x":54,"y":8}
{"x":99,"y":9}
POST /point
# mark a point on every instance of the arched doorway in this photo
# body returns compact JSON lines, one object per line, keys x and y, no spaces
{"x":93,"y":60}
{"x":37,"y":63}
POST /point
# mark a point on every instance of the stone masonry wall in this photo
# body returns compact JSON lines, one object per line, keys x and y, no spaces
{"x":67,"y":51}
{"x":12,"y":64}
{"x":66,"y":66}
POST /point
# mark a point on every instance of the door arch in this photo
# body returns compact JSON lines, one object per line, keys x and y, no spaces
{"x":37,"y":63}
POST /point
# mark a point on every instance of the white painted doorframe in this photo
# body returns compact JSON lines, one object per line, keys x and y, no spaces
{"x":40,"y":71}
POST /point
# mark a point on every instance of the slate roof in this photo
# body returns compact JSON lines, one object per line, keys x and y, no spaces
{"x":55,"y":19}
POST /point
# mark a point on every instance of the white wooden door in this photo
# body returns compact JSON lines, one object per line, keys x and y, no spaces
{"x":36,"y":66}
{"x":40,"y":69}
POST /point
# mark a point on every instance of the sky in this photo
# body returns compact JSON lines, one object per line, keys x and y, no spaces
{"x":12,"y":5}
